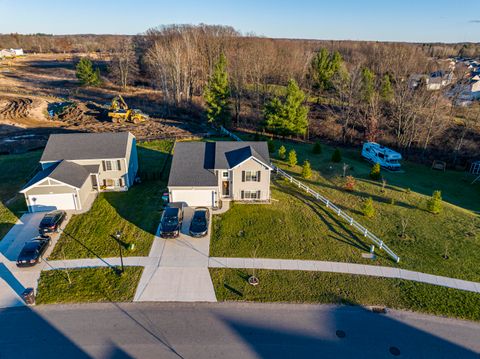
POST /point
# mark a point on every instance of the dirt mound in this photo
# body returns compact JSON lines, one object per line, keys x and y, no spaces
{"x":15,"y":108}
{"x":74,"y":114}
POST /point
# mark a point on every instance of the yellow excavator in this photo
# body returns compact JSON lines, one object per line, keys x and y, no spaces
{"x":119,"y":112}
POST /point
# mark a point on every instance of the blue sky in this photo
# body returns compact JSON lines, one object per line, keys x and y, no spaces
{"x":391,"y":20}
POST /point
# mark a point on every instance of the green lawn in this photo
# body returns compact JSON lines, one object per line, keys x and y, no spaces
{"x":315,"y":287}
{"x":136,"y":213}
{"x":15,"y":171}
{"x":87,"y":285}
{"x":296,"y":226}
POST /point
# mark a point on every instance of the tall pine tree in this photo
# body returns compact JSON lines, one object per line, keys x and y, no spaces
{"x":217,"y":94}
{"x":323,"y":67}
{"x":288,"y":117}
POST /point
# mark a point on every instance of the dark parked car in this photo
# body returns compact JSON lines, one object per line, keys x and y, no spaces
{"x":32,"y":251}
{"x":51,"y":222}
{"x":171,"y":221}
{"x":199,"y":224}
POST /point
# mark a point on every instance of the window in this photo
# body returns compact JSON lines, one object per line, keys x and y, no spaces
{"x":250,"y":194}
{"x":108,"y":165}
{"x":112,"y":165}
{"x":250,"y":176}
{"x":225,"y":174}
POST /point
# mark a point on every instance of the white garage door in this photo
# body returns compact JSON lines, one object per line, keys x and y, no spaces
{"x":194,"y":197}
{"x":50,"y":202}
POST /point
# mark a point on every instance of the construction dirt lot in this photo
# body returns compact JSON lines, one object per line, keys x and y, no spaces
{"x":31,"y":86}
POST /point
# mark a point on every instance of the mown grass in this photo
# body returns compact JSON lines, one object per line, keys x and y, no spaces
{"x":135,"y":213}
{"x":294,"y":225}
{"x":316,"y":287}
{"x":87,"y":285}
{"x":15,"y":171}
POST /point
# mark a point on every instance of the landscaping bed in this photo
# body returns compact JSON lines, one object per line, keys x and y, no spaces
{"x":317,"y":287}
{"x":87,"y":285}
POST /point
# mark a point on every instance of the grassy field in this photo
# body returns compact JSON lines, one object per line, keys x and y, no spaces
{"x":296,"y":226}
{"x":87,"y":285}
{"x":136,"y":213}
{"x":314,"y":287}
{"x":13,"y":176}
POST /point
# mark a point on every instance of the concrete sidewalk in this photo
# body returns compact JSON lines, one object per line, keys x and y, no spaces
{"x":338,"y":267}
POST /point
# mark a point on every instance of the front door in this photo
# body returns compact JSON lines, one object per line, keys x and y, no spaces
{"x":226,"y":188}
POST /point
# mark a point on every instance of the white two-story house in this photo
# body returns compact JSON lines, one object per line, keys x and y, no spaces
{"x":75,"y":166}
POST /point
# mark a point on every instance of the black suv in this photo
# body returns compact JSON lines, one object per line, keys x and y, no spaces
{"x":171,"y":221}
{"x":32,"y":251}
{"x":51,"y":222}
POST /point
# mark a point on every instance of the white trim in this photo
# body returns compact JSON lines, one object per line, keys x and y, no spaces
{"x":254,"y":158}
{"x":59,"y":183}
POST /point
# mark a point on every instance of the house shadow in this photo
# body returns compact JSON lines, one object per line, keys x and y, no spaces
{"x":347,"y":330}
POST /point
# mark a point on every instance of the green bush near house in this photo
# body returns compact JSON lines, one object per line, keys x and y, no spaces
{"x":368,"y":209}
{"x":336,"y":156}
{"x":282,"y":152}
{"x":375,"y":172}
{"x":434,"y":204}
{"x":306,"y":170}
{"x":292,"y":158}
{"x":317,"y":148}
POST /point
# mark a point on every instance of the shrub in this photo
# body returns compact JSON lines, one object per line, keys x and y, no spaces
{"x":282,"y":152}
{"x":317,"y":148}
{"x":292,"y":158}
{"x":86,"y":74}
{"x":368,"y":209}
{"x":375,"y":171}
{"x":434,"y":203}
{"x":306,"y":170}
{"x":271,"y":146}
{"x":336,"y":156}
{"x":349,"y":183}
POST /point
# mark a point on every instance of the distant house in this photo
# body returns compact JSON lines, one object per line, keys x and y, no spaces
{"x":439,"y":79}
{"x":205,"y":173}
{"x":17,"y":52}
{"x":76,"y":166}
{"x":4,"y":53}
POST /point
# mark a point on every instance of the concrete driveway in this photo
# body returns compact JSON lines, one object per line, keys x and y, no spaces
{"x":14,"y":280}
{"x":181,"y":271}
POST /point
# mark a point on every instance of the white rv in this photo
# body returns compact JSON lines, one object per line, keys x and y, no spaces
{"x":386,"y":157}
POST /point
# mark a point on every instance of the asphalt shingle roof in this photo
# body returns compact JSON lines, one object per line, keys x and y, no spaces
{"x":194,"y":163}
{"x":84,"y":146}
{"x":65,"y":171}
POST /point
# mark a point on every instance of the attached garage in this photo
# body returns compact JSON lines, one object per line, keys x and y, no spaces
{"x":194,"y":197}
{"x":50,"y":202}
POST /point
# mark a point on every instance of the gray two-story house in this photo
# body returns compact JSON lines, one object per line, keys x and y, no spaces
{"x":76,"y":166}
{"x":204,"y":173}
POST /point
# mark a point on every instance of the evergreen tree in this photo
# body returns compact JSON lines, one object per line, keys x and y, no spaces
{"x":306,"y":170}
{"x":386,"y":90}
{"x":317,"y":148}
{"x":336,"y":156}
{"x":368,"y":209}
{"x":217,"y":94}
{"x":86,"y":74}
{"x":292,"y":158}
{"x":282,"y":152}
{"x":323,"y":67}
{"x":368,"y":85}
{"x":434,"y":204}
{"x":271,"y":146}
{"x":375,"y":171}
{"x":288,"y":117}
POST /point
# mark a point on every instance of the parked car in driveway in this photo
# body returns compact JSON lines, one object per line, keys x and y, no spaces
{"x":199,"y":224}
{"x":33,"y":251}
{"x":171,"y":221}
{"x":51,"y":222}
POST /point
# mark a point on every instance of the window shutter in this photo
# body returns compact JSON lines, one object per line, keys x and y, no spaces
{"x":105,"y":182}
{"x":120,"y":180}
{"x":103,"y":166}
{"x":258,"y":194}
{"x":243,"y":194}
{"x":243,"y":177}
{"x":119,"y":165}
{"x":258,"y":176}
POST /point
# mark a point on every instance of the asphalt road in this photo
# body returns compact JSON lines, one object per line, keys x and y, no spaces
{"x":230,"y":330}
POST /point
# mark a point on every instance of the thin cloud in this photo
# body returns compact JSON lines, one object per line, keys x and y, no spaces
{"x":474,"y":21}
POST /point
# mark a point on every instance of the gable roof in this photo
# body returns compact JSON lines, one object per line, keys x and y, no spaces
{"x":85,"y":146}
{"x":66,"y":172}
{"x":194,"y":163}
